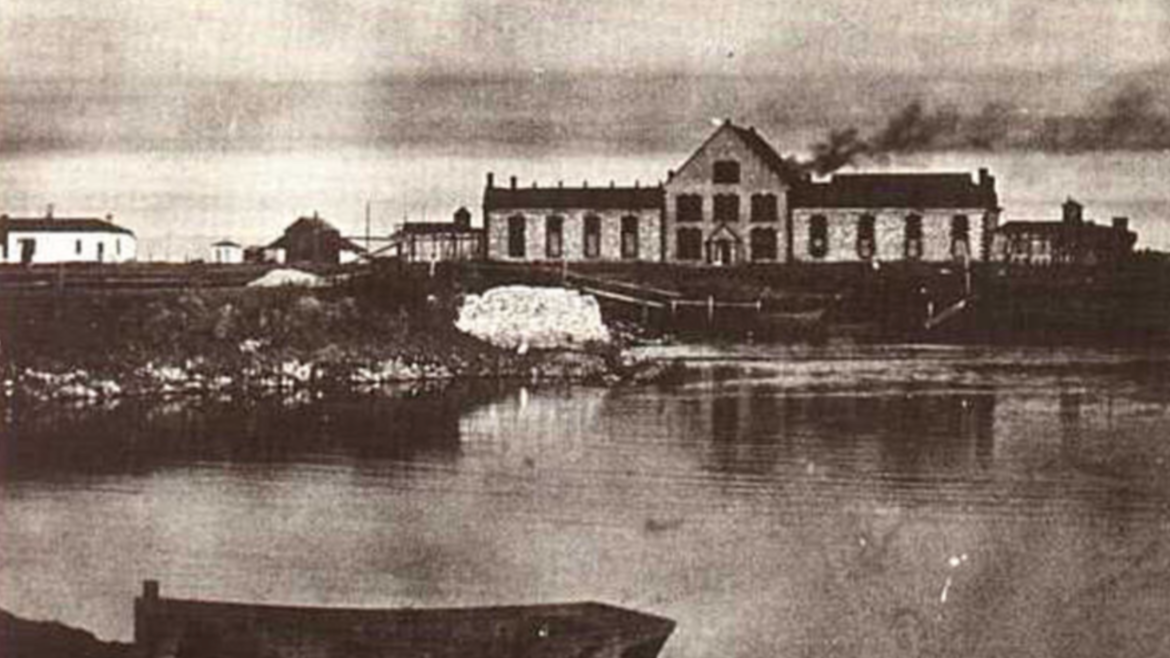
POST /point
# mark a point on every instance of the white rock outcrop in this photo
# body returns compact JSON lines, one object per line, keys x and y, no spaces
{"x":523,"y":317}
{"x":287,"y":277}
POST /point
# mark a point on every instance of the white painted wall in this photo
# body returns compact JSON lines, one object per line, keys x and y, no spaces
{"x":231,"y":254}
{"x":72,"y":246}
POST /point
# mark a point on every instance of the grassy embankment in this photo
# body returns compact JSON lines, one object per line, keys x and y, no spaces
{"x":95,"y":341}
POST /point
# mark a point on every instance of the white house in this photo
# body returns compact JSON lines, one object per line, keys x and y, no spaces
{"x":65,"y":240}
{"x":226,"y":252}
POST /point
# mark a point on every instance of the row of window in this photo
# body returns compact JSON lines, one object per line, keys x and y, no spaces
{"x":554,"y":237}
{"x":100,"y":247}
{"x":818,"y":236}
{"x":689,"y":208}
{"x":762,"y":241}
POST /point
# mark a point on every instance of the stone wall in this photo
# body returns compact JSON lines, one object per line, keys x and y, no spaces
{"x":573,"y":234}
{"x":889,"y":233}
{"x":697,"y":177}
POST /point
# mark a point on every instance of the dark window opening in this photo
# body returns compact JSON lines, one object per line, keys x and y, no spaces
{"x":764,"y":208}
{"x":592,"y":236}
{"x":866,"y":236}
{"x":77,"y":247}
{"x":763,"y":243}
{"x":690,"y":208}
{"x":818,"y":236}
{"x":960,"y":237}
{"x":726,"y":172}
{"x":629,"y":237}
{"x":554,"y":237}
{"x":914,"y":237}
{"x":516,"y":237}
{"x":690,"y":244}
{"x":726,"y":208}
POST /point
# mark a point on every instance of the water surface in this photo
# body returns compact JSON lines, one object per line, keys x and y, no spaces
{"x":781,"y":501}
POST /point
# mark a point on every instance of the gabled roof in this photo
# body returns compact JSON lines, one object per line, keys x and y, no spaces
{"x":61,"y":224}
{"x":788,"y":171}
{"x":895,"y":191}
{"x":226,"y":243}
{"x":566,"y":198}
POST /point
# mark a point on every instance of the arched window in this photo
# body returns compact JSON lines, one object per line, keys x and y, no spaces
{"x":866,"y":237}
{"x":913,"y":247}
{"x":689,"y":208}
{"x":960,"y":237}
{"x":629,"y":236}
{"x":554,"y":236}
{"x":689,"y":244}
{"x":818,"y":236}
{"x":764,"y":208}
{"x":592,"y":236}
{"x":727,"y":207}
{"x":763,"y":243}
{"x":516,"y":236}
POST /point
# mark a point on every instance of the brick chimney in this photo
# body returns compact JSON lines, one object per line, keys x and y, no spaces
{"x":1121,"y":223}
{"x":49,"y":211}
{"x":491,"y":180}
{"x":512,"y":182}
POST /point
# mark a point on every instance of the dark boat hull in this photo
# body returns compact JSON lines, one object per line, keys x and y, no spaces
{"x":207,"y":629}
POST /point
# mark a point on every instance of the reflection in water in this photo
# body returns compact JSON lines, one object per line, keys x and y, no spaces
{"x":970,"y":505}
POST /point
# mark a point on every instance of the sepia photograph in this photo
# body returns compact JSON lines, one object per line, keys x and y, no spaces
{"x":538,"y":329}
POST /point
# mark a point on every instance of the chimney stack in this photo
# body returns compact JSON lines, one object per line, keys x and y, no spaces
{"x":49,"y":211}
{"x":150,"y":590}
{"x":512,"y":181}
{"x":491,"y":180}
{"x":1121,"y":223}
{"x":1074,"y":213}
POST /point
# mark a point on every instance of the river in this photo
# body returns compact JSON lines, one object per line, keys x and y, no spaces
{"x":886,"y":501}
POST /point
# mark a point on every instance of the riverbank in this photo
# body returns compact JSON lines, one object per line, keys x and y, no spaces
{"x":91,"y":345}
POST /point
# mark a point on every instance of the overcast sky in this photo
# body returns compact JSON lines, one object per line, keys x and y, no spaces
{"x":356,"y":39}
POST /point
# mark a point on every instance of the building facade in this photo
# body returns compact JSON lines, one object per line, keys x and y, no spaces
{"x":49,"y":239}
{"x":729,"y":202}
{"x":312,"y":240}
{"x":932,"y":218}
{"x":1070,"y":241}
{"x":737,"y":200}
{"x":226,"y":252}
{"x":572,"y":224}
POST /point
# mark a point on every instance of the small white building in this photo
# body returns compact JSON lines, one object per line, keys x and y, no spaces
{"x":226,"y":252}
{"x":50,"y":239}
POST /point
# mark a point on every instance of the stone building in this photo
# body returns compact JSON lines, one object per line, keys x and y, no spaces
{"x":737,"y":200}
{"x":932,"y":218}
{"x":573,"y":224}
{"x":728,"y":203}
{"x":1070,"y":241}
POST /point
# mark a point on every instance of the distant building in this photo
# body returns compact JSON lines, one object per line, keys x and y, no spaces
{"x":737,"y":200}
{"x":312,"y":240}
{"x":437,"y":241}
{"x":52,"y":239}
{"x":573,"y":224}
{"x":226,"y":252}
{"x":933,"y":218}
{"x":1070,"y":241}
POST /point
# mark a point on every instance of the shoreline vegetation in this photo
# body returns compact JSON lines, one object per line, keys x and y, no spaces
{"x":24,"y":638}
{"x":92,"y":333}
{"x":357,"y":336}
